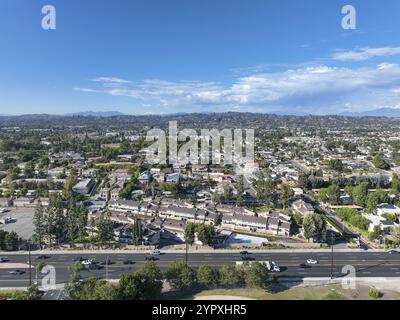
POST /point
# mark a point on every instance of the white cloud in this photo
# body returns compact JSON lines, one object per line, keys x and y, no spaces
{"x":365,"y":53}
{"x":86,"y":90}
{"x":318,"y":89}
{"x":111,"y":80}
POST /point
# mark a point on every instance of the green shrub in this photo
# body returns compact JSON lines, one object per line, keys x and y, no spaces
{"x":373,"y":293}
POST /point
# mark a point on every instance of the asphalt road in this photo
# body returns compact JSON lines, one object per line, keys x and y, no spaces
{"x":367,"y":264}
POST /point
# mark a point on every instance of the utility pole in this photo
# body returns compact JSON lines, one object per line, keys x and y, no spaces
{"x":332,"y":238}
{"x":107,"y":268}
{"x":30,"y":263}
{"x":186,"y":256}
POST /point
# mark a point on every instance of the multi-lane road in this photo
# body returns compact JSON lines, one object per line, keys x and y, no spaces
{"x":367,"y":264}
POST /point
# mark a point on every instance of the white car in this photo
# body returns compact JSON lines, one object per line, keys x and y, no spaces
{"x":275,"y":267}
{"x":155,"y":252}
{"x":87,"y":262}
{"x":312,"y":261}
{"x":2,"y":210}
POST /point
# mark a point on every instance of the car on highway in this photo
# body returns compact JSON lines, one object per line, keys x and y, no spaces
{"x":78,"y":259}
{"x":247,"y":258}
{"x":42,"y":257}
{"x":304,"y":266}
{"x":150,"y":258}
{"x":393,"y":252}
{"x":312,"y":261}
{"x":87,"y":262}
{"x":155,"y":252}
{"x":16,"y":272}
{"x":107,"y":261}
{"x":95,"y":266}
{"x":3,"y":260}
{"x":275,"y":267}
{"x":244,"y":252}
{"x":128,"y":262}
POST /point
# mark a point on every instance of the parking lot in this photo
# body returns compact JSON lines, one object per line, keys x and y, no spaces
{"x":23,"y":221}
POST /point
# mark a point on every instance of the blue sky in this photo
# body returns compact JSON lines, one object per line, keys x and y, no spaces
{"x":149,"y":56}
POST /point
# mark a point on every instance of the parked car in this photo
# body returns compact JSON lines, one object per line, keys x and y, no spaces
{"x":312,"y":261}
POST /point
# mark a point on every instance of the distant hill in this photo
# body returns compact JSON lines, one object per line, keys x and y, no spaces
{"x":382,"y":112}
{"x":95,"y":114}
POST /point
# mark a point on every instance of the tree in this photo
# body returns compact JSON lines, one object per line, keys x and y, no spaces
{"x":265,"y":188}
{"x":395,"y":233}
{"x":231,"y":276}
{"x":205,"y":233}
{"x":313,"y":226}
{"x":94,"y":289}
{"x":336,"y":164}
{"x":333,"y":194}
{"x":380,"y":163}
{"x":377,"y":233}
{"x":286,"y":194}
{"x":395,"y":184}
{"x":256,"y":275}
{"x":70,"y":182}
{"x":39,"y":225}
{"x":137,"y":231}
{"x":207,"y":276}
{"x":190,"y":231}
{"x":105,"y":228}
{"x":371,"y":202}
{"x":180,"y":275}
{"x":240,"y":191}
{"x":131,"y":287}
{"x":153,"y":280}
{"x":34,"y":293}
{"x":360,"y":193}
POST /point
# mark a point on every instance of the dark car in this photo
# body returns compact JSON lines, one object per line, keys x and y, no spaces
{"x":78,"y":259}
{"x":393,"y":252}
{"x":16,"y":272}
{"x":151,"y":258}
{"x":107,"y":261}
{"x":3,"y":260}
{"x":127,"y":262}
{"x":95,"y":266}
{"x":247,"y":258}
{"x":42,"y":257}
{"x":304,"y":266}
{"x":244,"y":252}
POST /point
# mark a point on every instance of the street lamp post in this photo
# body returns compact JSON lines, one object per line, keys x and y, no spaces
{"x":186,"y":254}
{"x":332,"y":238}
{"x":30,"y":264}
